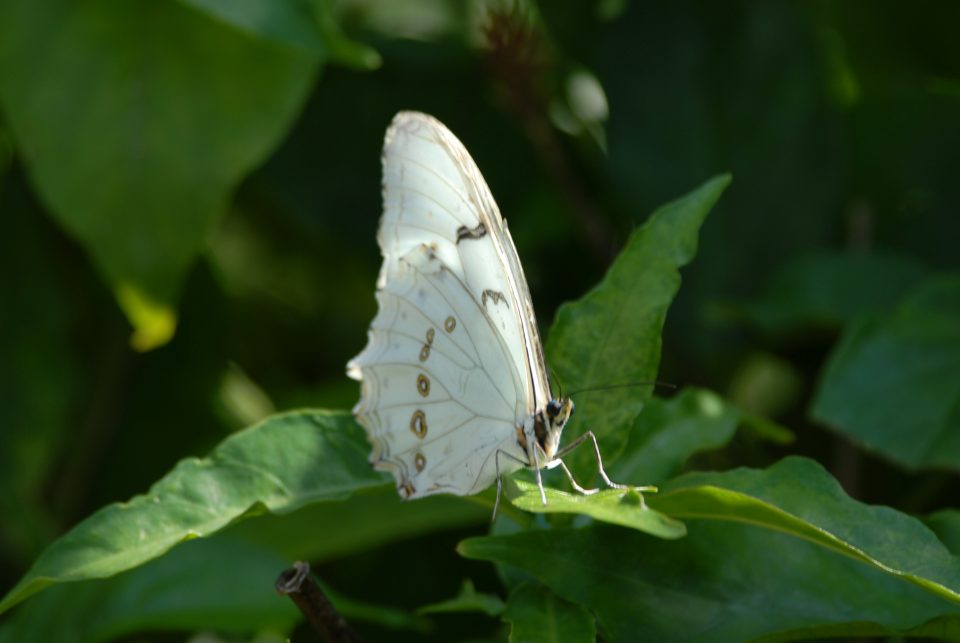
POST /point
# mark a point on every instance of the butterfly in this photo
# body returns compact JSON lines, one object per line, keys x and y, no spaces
{"x":454,"y":387}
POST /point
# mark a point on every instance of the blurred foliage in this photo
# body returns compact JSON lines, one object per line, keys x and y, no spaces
{"x":190,"y":195}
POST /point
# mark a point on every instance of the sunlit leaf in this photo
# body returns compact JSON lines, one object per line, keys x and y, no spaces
{"x":136,"y":121}
{"x":625,"y":507}
{"x":612,"y":334}
{"x":279,"y":465}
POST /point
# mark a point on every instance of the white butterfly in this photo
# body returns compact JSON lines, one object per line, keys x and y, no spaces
{"x":454,"y":387}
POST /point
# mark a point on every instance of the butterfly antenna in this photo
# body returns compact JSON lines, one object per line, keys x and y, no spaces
{"x":556,"y":379}
{"x":608,"y":387}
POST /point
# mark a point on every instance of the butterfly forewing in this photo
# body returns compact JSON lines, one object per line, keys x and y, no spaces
{"x":434,"y":194}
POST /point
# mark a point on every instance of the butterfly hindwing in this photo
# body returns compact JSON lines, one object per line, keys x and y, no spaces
{"x":438,"y":384}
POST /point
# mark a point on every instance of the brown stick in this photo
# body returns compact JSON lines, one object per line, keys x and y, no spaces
{"x":297,"y":583}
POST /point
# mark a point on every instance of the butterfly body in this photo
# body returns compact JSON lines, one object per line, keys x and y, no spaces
{"x":454,"y":391}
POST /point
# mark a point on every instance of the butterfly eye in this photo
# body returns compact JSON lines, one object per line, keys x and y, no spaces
{"x":553,"y":408}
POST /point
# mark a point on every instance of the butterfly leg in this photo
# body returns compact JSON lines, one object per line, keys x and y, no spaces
{"x":496,"y":462}
{"x":596,"y":451}
{"x":496,"y":503}
{"x":543,"y":494}
{"x":573,"y":483}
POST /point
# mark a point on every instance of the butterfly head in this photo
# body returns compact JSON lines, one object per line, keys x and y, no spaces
{"x":550,"y":422}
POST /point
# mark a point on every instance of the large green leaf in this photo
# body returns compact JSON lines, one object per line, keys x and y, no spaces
{"x":891,"y":383}
{"x":136,"y":120}
{"x":218,"y":583}
{"x":365,"y":521}
{"x":724,"y":582}
{"x":278,"y":465}
{"x":612,"y":335}
{"x":797,"y":496}
{"x":786,"y":543}
{"x":537,"y":615}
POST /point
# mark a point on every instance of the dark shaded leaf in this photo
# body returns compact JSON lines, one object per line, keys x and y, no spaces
{"x":667,"y":432}
{"x":828,"y":290}
{"x":891,"y":383}
{"x":787,"y":542}
{"x":537,"y":615}
{"x":946,"y":524}
{"x":468,"y":600}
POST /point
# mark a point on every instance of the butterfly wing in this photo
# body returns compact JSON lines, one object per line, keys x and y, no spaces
{"x":453,"y":363}
{"x":434,"y":194}
{"x":439,"y":395}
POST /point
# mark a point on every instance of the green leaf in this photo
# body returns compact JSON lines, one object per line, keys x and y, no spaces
{"x":612,"y":334}
{"x":787,"y":543}
{"x":946,"y":524}
{"x":289,"y":22}
{"x":891,"y":383}
{"x":342,"y":49}
{"x":279,"y":465}
{"x":136,"y":120}
{"x":624,"y":507}
{"x":468,"y":600}
{"x":302,"y":24}
{"x":765,"y":429}
{"x":725,"y":582}
{"x":798,"y":497}
{"x":220,"y":583}
{"x":368,"y":519}
{"x":537,"y":615}
{"x":667,"y":432}
{"x":828,"y":290}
